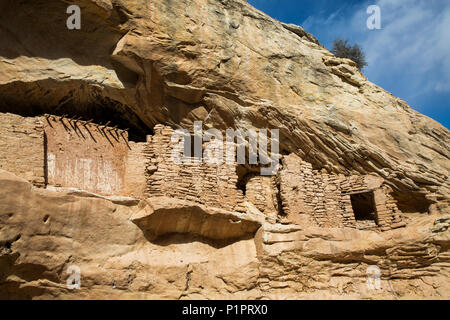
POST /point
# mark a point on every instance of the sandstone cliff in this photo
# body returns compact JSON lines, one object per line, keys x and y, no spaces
{"x":141,"y":63}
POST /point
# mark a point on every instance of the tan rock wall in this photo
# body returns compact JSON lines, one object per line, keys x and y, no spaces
{"x":22,"y":146}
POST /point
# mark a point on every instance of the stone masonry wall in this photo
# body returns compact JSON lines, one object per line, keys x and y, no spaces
{"x":389,"y":216}
{"x":209,"y":184}
{"x":21,"y":147}
{"x":84,"y":155}
{"x":326,"y":199}
{"x":262,"y":192}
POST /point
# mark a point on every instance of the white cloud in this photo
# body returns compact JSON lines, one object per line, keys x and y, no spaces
{"x":442,"y":87}
{"x":410,"y":52}
{"x":414,"y":43}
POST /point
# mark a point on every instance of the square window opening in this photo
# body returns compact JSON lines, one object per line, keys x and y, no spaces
{"x":363,"y":205}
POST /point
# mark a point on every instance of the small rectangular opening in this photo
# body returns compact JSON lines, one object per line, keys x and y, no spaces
{"x":363,"y":205}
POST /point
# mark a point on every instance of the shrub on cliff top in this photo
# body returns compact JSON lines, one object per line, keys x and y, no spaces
{"x":342,"y":49}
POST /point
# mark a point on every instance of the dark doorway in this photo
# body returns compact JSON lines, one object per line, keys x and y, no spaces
{"x":244,"y":174}
{"x":364,"y":206}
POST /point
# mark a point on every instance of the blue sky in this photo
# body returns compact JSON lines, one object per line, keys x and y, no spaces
{"x":409,"y":56}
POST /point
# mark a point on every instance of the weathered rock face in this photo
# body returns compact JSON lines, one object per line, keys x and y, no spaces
{"x":140,"y":63}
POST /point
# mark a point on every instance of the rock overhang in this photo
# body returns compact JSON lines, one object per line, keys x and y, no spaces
{"x":161,"y":216}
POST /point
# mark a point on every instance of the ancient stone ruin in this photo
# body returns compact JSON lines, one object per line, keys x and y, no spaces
{"x":74,"y":153}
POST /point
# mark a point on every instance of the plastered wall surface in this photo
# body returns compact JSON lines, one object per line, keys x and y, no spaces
{"x":85,"y":155}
